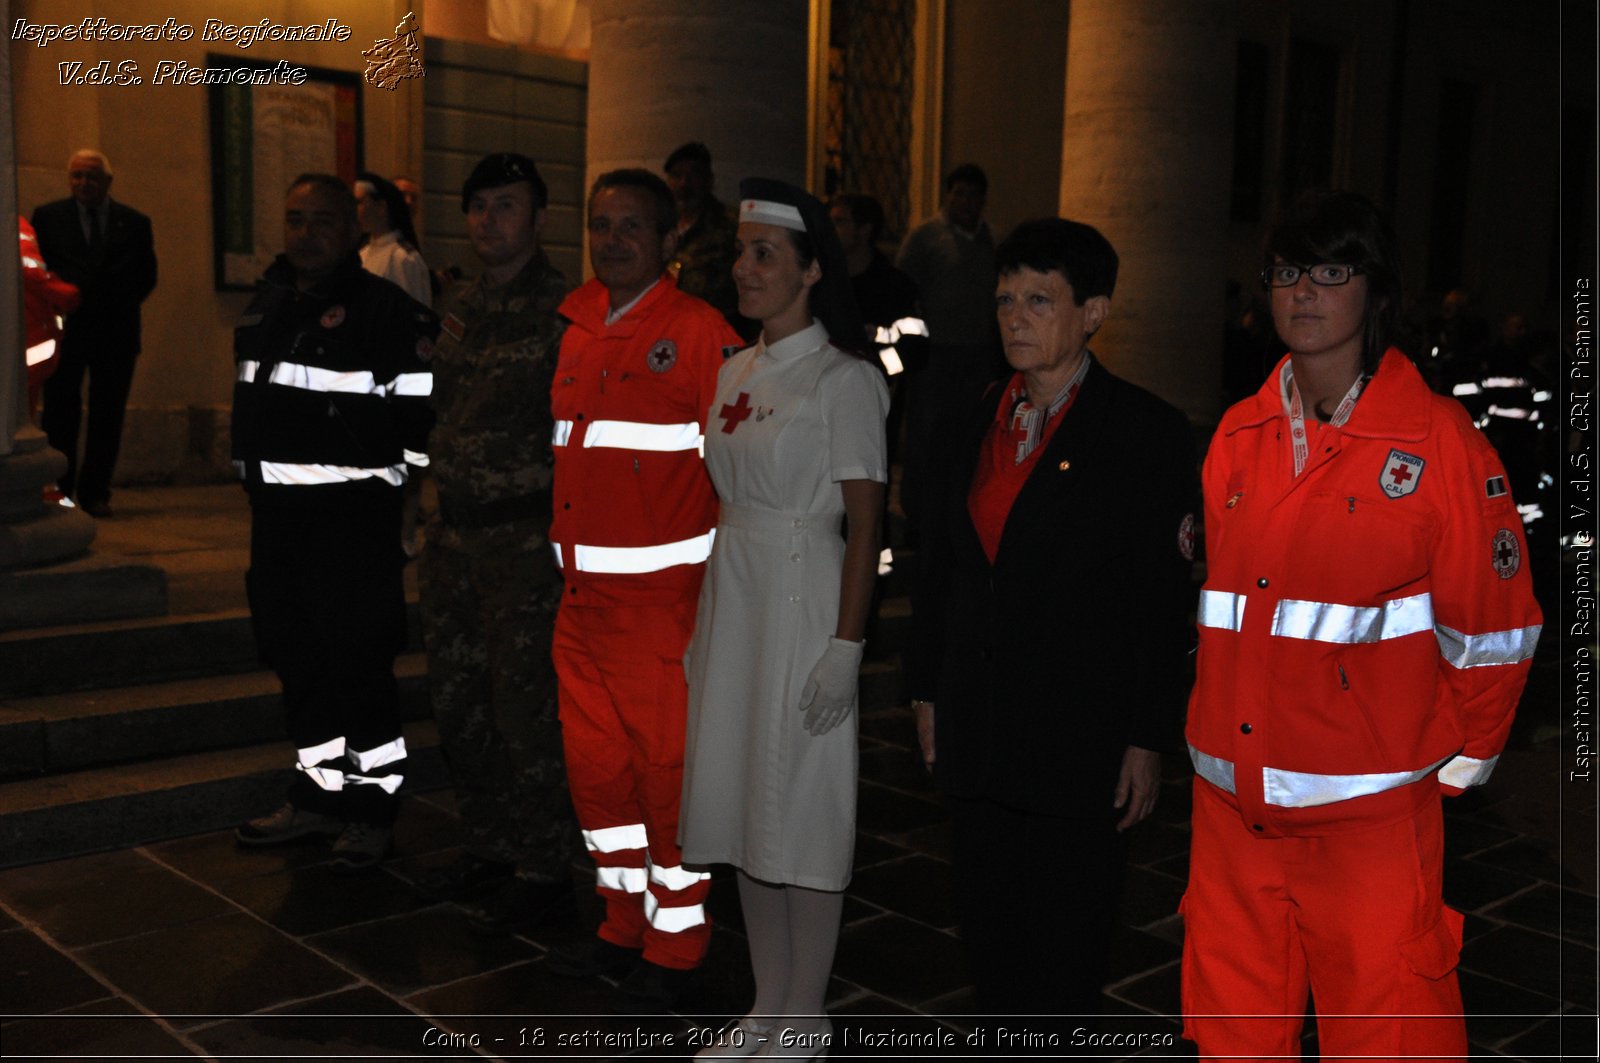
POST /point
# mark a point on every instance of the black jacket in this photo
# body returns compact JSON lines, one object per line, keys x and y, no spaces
{"x":113,"y":282}
{"x":1046,"y":665}
{"x":332,"y":376}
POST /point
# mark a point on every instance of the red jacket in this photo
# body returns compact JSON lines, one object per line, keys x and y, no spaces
{"x":634,"y":507}
{"x":45,"y":297}
{"x":1364,"y":624}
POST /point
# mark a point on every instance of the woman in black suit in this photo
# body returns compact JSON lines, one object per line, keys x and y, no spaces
{"x":1050,"y":662}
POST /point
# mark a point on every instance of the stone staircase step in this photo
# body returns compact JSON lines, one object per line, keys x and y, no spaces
{"x":115,"y":653}
{"x":72,"y":731}
{"x":113,"y":808}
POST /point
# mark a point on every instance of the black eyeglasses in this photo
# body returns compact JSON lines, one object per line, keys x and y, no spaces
{"x":1327,"y":274}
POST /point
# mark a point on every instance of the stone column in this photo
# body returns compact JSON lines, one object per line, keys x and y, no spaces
{"x":731,"y":73}
{"x":31,"y":532}
{"x":1147,"y":159}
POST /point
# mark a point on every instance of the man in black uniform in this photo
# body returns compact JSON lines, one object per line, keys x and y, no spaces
{"x":330,"y":407}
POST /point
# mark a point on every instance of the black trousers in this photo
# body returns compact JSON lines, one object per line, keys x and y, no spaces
{"x":328,"y":606}
{"x":1037,"y":899}
{"x":110,"y":380}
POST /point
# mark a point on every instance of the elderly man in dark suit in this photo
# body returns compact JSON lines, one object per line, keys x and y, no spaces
{"x":106,"y":249}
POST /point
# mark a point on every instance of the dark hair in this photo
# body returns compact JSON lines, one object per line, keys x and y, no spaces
{"x":1344,"y":227}
{"x":653,"y":187}
{"x":694,"y":151}
{"x":832,"y":301}
{"x":394,"y":201}
{"x":968,"y":173}
{"x":1076,"y":251}
{"x":334,"y":186}
{"x":864,"y":210}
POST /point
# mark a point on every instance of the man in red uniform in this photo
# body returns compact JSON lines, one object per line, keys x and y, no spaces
{"x":634,"y":512}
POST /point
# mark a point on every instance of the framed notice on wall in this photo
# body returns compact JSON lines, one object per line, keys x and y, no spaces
{"x":271,"y":122}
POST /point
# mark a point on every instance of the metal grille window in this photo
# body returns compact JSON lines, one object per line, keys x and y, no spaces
{"x":871,"y":49}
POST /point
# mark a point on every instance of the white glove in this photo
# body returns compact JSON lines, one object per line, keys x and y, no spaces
{"x":830,"y":692}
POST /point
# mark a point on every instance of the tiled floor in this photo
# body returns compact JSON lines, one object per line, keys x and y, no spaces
{"x":193,"y":947}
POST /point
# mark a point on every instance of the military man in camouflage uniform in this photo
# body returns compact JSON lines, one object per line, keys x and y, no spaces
{"x":490,"y":588}
{"x":707,"y":236}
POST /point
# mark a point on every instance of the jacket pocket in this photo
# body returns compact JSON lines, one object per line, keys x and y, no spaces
{"x":1435,"y":952}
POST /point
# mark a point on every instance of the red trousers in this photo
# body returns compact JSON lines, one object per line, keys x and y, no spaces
{"x":1357,"y":918}
{"x":624,"y":704}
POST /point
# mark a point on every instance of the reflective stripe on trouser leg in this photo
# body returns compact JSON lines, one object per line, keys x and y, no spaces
{"x":1359,"y":914}
{"x":623,"y":703}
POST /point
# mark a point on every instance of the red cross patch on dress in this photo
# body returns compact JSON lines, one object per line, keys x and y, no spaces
{"x":733,"y":413}
{"x":1401,"y":473}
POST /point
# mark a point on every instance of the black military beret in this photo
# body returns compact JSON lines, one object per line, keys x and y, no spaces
{"x":504,"y":168}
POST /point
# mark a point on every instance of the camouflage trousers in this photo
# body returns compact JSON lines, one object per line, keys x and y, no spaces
{"x":488,"y":601}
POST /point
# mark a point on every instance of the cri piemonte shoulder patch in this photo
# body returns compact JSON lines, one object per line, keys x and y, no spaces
{"x":663,"y":356}
{"x":1505,"y":553}
{"x":1401,"y":474}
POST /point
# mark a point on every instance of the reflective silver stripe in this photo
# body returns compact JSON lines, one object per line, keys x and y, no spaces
{"x":1514,"y":413}
{"x":1465,"y":389}
{"x":378,"y":756}
{"x":1491,"y":647}
{"x":626,"y":879}
{"x":314,"y":378}
{"x":419,"y":385}
{"x":40,"y":352}
{"x":280,"y":472}
{"x":329,"y":750}
{"x":29,"y":262}
{"x":1331,"y":622}
{"x":1214,"y":770}
{"x":1300,"y":789}
{"x":247,"y":371}
{"x":1505,"y":382}
{"x":615,"y":839}
{"x":637,"y":559}
{"x":639,"y":435}
{"x":676,"y":878}
{"x":1221,"y":609}
{"x":415,"y":457}
{"x":330,"y":779}
{"x":891,"y":361}
{"x":387,"y":783}
{"x":911,"y":326}
{"x":672,"y":920}
{"x":1462,"y":771}
{"x":556,"y":548}
{"x":561,"y":433}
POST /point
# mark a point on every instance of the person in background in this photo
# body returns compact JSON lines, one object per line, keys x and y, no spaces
{"x":769,"y":781}
{"x":950,"y":258}
{"x":1366,"y":628}
{"x":106,"y":250}
{"x":391,"y":248}
{"x":705,"y":253}
{"x":45,"y":298}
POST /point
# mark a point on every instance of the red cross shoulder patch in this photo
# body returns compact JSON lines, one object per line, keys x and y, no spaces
{"x":1401,"y":474}
{"x":663,"y":356}
{"x":1505,"y":553}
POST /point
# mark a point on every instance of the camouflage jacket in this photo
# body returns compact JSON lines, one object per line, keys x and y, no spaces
{"x":492,"y":371}
{"x":704,"y":262}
